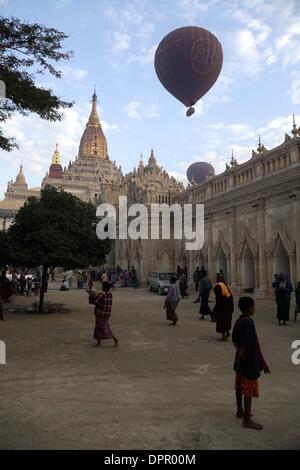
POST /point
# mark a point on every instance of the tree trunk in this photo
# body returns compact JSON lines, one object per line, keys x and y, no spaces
{"x":42,"y":289}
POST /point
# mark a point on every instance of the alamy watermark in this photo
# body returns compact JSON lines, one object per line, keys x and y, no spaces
{"x":160,"y":222}
{"x":296,"y":354}
{"x":2,"y":352}
{"x":2,"y":89}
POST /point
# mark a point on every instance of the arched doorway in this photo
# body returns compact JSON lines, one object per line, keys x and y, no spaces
{"x":281,"y":260}
{"x":248,"y":270}
{"x":164,"y":263}
{"x":183,"y":262}
{"x":222,"y":263}
{"x":201,"y":260}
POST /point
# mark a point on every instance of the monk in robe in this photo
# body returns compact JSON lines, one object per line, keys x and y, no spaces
{"x":224,"y":307}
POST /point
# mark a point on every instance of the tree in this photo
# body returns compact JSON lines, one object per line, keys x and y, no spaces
{"x":56,"y":230}
{"x":27,"y":51}
{"x":5,"y":249}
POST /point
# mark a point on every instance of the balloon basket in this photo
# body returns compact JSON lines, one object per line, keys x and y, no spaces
{"x":190,"y":111}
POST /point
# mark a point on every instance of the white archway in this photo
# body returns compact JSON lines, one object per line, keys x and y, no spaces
{"x":248,"y":270}
{"x":222,"y":263}
{"x":164,"y":262}
{"x":281,"y":260}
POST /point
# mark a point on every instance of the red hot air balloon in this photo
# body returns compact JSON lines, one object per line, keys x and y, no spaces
{"x":187,"y":62}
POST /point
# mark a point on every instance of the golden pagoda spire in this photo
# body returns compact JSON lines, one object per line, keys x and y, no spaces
{"x":141,"y":164}
{"x":94,"y":120}
{"x":93,"y":142}
{"x":56,"y":156}
{"x":20,"y":179}
{"x":152,"y":159}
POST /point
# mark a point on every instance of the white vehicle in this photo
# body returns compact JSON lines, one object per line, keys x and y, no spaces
{"x":159,"y":282}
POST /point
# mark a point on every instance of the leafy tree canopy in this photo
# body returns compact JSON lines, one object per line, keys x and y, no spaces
{"x":57,"y":230}
{"x":5,"y":249}
{"x":28,"y":50}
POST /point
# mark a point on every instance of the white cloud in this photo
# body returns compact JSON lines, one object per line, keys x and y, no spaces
{"x":191,"y":9}
{"x":133,"y":22}
{"x":238,"y":131}
{"x":179,"y":176}
{"x":262,"y":30}
{"x":295,"y":92}
{"x":272,"y":134}
{"x":246,"y":43}
{"x":121,"y":42}
{"x":109,"y":127}
{"x":79,"y":74}
{"x":133,"y":109}
{"x":139,"y":109}
{"x":145,"y":57}
{"x":71,"y":74}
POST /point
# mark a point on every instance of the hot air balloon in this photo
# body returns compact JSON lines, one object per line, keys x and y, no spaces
{"x":198,"y":172}
{"x":187,"y":62}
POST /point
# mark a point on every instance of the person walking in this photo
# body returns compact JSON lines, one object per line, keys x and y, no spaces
{"x":283,"y":289}
{"x":248,"y":363}
{"x":179,"y":271}
{"x":171,"y":301}
{"x":102,"y":312}
{"x":104,"y":277}
{"x":183,"y":286}
{"x":205,"y":287}
{"x":196,"y":278}
{"x":22,"y":282}
{"x":297,"y":305}
{"x":29,"y":286}
{"x":79,"y":280}
{"x":224,"y":307}
{"x":37,"y":284}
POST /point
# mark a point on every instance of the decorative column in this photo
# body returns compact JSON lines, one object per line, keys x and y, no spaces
{"x":270,"y":272}
{"x":294,"y":278}
{"x":256,"y":272}
{"x":232,"y":244}
{"x":262,"y":259}
{"x":209,"y":243}
{"x":296,"y":237}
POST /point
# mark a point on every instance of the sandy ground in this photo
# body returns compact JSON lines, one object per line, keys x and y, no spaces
{"x":165,"y":387}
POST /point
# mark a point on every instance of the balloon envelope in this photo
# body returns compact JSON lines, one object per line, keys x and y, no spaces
{"x":187,"y":62}
{"x":198,"y":172}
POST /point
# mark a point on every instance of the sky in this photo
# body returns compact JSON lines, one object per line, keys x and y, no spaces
{"x":114,"y":43}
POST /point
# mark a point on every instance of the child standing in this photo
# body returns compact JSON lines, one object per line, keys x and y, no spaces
{"x":248,"y":362}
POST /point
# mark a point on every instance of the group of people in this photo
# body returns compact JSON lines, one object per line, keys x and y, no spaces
{"x":249,"y":360}
{"x":283,"y":289}
{"x":127,"y":277}
{"x":13,"y":282}
{"x":224,"y":306}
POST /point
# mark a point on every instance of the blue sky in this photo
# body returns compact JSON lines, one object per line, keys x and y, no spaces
{"x":114,"y":43}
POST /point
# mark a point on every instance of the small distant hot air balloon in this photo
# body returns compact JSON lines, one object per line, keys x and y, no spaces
{"x":187,"y":62}
{"x":198,"y":172}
